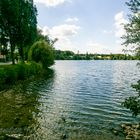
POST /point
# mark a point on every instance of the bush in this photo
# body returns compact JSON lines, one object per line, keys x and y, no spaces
{"x":26,"y":70}
{"x":12,"y":73}
{"x":133,"y":103}
{"x":42,"y":52}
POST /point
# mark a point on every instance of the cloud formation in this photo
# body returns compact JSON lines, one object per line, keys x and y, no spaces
{"x":61,"y":31}
{"x":50,"y":3}
{"x":64,"y":34}
{"x":119,"y":21}
{"x":95,"y":47}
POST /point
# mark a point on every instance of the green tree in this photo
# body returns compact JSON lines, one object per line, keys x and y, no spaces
{"x":26,"y":26}
{"x":87,"y":56}
{"x":42,"y":52}
{"x":132,"y":38}
{"x":17,"y":24}
{"x":40,"y":36}
{"x":8,"y":10}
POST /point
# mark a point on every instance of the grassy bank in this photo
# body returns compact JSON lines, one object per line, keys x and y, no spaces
{"x":10,"y":74}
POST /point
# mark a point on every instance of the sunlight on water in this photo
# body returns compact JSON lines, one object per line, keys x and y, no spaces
{"x":80,"y":100}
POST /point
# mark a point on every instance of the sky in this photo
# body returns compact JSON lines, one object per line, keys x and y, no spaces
{"x":93,"y":26}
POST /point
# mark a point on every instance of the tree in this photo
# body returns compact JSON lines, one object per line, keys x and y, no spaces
{"x":87,"y":56}
{"x":42,"y":52}
{"x":132,"y":28}
{"x":133,"y":103}
{"x":8,"y":10}
{"x":18,"y":24}
{"x":132,"y":38}
{"x":40,"y":36}
{"x":27,"y":25}
{"x":3,"y":46}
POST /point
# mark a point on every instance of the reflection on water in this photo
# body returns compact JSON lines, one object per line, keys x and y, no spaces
{"x":18,"y":111}
{"x":79,"y":100}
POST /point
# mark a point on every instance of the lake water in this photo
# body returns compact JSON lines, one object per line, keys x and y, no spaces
{"x":80,"y":100}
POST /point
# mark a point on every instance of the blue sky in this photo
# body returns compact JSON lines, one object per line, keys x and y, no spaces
{"x":93,"y":26}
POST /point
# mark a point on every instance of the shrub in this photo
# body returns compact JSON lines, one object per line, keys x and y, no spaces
{"x":26,"y":70}
{"x":42,"y":52}
{"x":21,"y":71}
{"x":133,"y":103}
{"x":12,"y":73}
{"x":35,"y":68}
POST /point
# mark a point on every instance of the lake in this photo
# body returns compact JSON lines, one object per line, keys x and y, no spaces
{"x":79,"y":100}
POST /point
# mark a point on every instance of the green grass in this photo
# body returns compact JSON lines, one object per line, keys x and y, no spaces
{"x":10,"y":74}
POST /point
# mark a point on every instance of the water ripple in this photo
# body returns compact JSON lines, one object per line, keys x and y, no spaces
{"x":81,"y":99}
{"x":88,"y":94}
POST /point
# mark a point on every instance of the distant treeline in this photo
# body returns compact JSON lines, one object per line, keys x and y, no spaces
{"x":69,"y":55}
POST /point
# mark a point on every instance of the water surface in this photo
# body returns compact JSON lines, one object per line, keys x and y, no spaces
{"x":79,"y":100}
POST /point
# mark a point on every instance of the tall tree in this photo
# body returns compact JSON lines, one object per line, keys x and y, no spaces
{"x":132,"y":38}
{"x":8,"y":19}
{"x":40,"y":36}
{"x":27,"y":25}
{"x":18,"y":24}
{"x":132,"y":28}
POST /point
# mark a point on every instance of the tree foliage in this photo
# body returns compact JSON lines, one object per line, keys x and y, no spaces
{"x":132,"y":37}
{"x":133,"y":103}
{"x":17,"y":24}
{"x":40,"y":36}
{"x":132,"y":28}
{"x":69,"y":55}
{"x":42,"y":52}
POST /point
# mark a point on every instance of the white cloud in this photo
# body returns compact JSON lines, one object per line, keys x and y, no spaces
{"x":71,"y":20}
{"x":64,"y":30}
{"x":50,"y":3}
{"x":119,"y":21}
{"x":64,"y":33}
{"x":95,"y":47}
{"x":45,"y":30}
{"x":66,"y":44}
{"x":61,"y":31}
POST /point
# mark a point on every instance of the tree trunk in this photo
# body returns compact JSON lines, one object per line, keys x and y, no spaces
{"x":21,"y":53}
{"x":12,"y":54}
